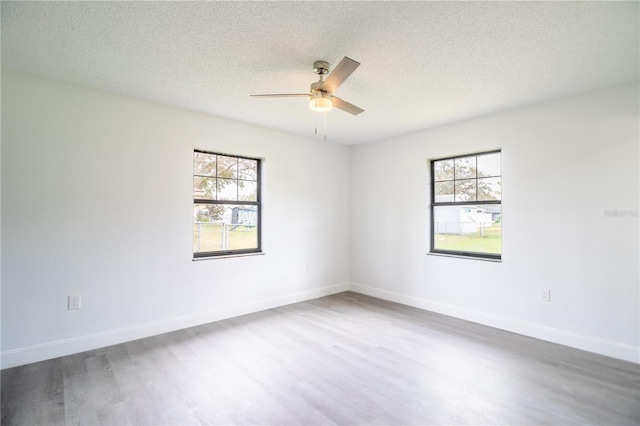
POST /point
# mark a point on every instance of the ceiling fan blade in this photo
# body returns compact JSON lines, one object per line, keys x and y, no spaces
{"x":345,"y":106}
{"x":340,"y":73}
{"x":282,"y":95}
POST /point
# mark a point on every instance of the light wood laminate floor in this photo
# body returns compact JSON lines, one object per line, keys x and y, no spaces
{"x":345,"y":359}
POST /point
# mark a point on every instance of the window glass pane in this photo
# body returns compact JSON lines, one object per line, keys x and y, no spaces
{"x":204,"y":188}
{"x":473,"y":229}
{"x":443,"y":170}
{"x":443,"y":192}
{"x":227,"y":167}
{"x":489,"y":165}
{"x":465,"y":167}
{"x":224,"y":227}
{"x":227,"y":189}
{"x":489,"y":189}
{"x":466,"y":190}
{"x":247,"y":190}
{"x":204,"y":164}
{"x":247,"y":169}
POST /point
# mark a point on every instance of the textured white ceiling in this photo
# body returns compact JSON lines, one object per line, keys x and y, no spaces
{"x":423,"y":63}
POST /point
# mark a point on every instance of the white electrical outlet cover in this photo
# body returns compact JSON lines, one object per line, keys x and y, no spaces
{"x":73,"y":303}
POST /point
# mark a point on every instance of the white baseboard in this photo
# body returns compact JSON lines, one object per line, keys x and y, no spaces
{"x":579,"y":341}
{"x":58,"y":348}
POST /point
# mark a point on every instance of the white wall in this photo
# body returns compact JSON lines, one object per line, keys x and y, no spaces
{"x":565,"y":164}
{"x":97,"y":201}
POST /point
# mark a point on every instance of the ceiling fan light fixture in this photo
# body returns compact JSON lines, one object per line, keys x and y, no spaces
{"x":320,"y":101}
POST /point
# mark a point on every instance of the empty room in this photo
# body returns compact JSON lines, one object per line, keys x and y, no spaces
{"x":320,"y":213}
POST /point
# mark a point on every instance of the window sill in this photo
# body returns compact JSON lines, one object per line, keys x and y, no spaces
{"x":460,"y":256}
{"x":227,"y":256}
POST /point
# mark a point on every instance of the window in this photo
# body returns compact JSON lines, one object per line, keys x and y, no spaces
{"x":226,"y":204}
{"x":466,"y":205}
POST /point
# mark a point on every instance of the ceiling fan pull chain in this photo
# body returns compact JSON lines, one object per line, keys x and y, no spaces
{"x":325,"y":126}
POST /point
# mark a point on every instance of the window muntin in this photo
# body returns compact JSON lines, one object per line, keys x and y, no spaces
{"x":466,"y":208}
{"x":226,"y":204}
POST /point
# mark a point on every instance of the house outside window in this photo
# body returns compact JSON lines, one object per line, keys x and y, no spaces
{"x":226,"y":204}
{"x":466,"y":205}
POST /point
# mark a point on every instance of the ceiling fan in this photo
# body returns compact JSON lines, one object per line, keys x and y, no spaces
{"x":321,"y":97}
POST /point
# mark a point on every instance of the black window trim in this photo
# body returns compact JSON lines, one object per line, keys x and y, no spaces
{"x":257,"y":203}
{"x":434,"y":204}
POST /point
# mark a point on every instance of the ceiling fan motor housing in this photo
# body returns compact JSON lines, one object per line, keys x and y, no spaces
{"x":321,"y":67}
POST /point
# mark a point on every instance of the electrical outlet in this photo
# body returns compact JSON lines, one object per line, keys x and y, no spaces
{"x":545,"y":295}
{"x":73,"y":303}
{"x":308,"y":269}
